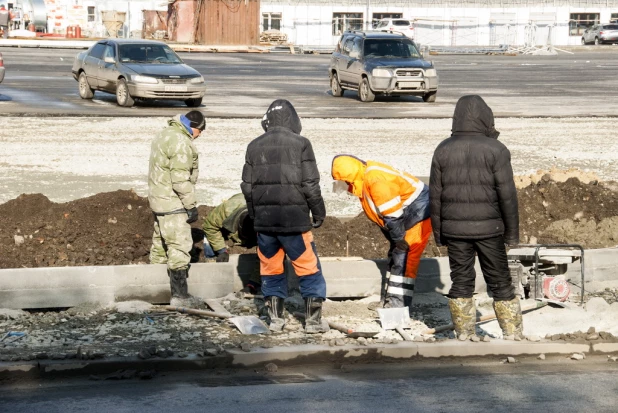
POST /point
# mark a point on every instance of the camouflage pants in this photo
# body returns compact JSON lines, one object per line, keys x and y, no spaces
{"x":171,"y":241}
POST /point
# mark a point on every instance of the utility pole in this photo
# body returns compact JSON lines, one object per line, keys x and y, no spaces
{"x":367,"y":18}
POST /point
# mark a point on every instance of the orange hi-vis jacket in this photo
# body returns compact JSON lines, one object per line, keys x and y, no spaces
{"x":383,"y":190}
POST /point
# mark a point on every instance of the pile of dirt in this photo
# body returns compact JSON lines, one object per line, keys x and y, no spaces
{"x":115,"y":228}
{"x":556,"y":175}
{"x":569,"y":212}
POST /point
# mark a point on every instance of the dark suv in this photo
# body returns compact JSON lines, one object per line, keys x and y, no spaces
{"x":381,"y":63}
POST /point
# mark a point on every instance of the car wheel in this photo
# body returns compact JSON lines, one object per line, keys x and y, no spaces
{"x":123,"y":97}
{"x":364,"y":91}
{"x":335,"y":86}
{"x":430,"y":97}
{"x":193,"y":103}
{"x":85,"y":91}
{"x":583,"y":41}
{"x":596,"y":41}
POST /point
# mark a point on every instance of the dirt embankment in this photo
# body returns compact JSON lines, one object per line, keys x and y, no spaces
{"x":116,"y":227}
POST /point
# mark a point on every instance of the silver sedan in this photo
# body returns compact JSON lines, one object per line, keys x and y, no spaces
{"x":137,"y":69}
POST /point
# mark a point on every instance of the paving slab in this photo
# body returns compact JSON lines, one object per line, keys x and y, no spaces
{"x":54,"y":287}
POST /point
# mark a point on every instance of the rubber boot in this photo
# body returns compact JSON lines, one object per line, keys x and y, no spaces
{"x":509,"y":319}
{"x":274,"y":306}
{"x":313,"y":316}
{"x":180,"y":290}
{"x":463,"y":314}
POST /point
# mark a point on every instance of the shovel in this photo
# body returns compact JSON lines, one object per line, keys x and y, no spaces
{"x":247,"y":324}
{"x":346,"y":330}
{"x":395,"y":319}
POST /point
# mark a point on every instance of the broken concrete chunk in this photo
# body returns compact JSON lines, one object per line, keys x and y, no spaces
{"x":534,"y":338}
{"x":271,"y":368}
{"x":144,"y":354}
{"x":511,"y":360}
{"x":339,"y":342}
{"x":593,"y":336}
{"x":541,"y":357}
{"x":486,"y":339}
{"x":245,"y":347}
{"x":210,"y":352}
{"x":591,"y":330}
{"x":19,"y":240}
{"x":597,"y":305}
{"x":475,"y":338}
{"x":577,"y":356}
{"x":612,"y":358}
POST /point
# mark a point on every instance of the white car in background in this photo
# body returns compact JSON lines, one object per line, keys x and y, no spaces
{"x":397,"y":25}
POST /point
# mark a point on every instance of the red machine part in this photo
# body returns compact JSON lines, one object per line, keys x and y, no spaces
{"x":556,"y":288}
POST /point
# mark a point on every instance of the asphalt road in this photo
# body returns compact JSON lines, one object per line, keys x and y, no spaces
{"x":39,"y":81}
{"x":559,"y":385}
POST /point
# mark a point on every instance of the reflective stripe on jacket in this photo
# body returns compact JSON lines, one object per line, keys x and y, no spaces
{"x":387,"y":191}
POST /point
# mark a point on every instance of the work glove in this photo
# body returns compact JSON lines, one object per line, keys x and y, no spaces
{"x":402,"y":245}
{"x":317,"y":222}
{"x":223,"y":256}
{"x":193,"y":216}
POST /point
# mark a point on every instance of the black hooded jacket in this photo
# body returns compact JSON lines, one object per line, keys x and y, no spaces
{"x":281,"y":182}
{"x":472,"y":192}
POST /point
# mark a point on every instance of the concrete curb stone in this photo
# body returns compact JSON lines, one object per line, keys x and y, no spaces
{"x":300,"y":355}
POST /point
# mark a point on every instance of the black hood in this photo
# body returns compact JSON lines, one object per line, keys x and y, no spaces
{"x":473,"y":117}
{"x":281,"y":113}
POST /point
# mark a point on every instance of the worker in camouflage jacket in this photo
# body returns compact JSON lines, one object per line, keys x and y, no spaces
{"x":230,"y":221}
{"x":172,"y":177}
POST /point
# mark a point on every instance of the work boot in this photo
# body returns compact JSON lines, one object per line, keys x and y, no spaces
{"x":274,"y":306}
{"x":393,"y":301}
{"x":509,"y":319}
{"x":180,"y":290}
{"x":463,"y":314}
{"x":313,"y":316}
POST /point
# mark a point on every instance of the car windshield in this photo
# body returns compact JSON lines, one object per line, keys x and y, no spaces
{"x":146,"y":53}
{"x":401,"y":22}
{"x":390,"y":48}
{"x":382,"y":23}
{"x":612,"y":27}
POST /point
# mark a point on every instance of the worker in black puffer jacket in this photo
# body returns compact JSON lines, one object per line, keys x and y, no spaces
{"x":474,"y":210}
{"x":281,"y":185}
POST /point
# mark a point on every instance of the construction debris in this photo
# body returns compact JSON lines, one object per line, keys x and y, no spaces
{"x":273,"y":37}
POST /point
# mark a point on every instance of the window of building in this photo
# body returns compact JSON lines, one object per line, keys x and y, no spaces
{"x":346,"y":21}
{"x":614,"y":18}
{"x":379,"y":16}
{"x":271,"y":21}
{"x":579,"y":22}
{"x":91,"y":16}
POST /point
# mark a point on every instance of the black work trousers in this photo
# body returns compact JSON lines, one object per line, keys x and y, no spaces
{"x":494,"y":265}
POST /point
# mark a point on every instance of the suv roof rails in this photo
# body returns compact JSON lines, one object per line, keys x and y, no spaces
{"x":355,"y":32}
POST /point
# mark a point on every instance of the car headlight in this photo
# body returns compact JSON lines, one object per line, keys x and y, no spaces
{"x":381,"y":73}
{"x":144,"y":79}
{"x":431,"y":73}
{"x":197,"y":79}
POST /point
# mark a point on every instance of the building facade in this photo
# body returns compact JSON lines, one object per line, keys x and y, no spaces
{"x":443,"y":23}
{"x":321,"y":22}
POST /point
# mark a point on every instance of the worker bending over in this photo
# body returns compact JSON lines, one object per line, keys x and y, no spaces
{"x":399,"y":203}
